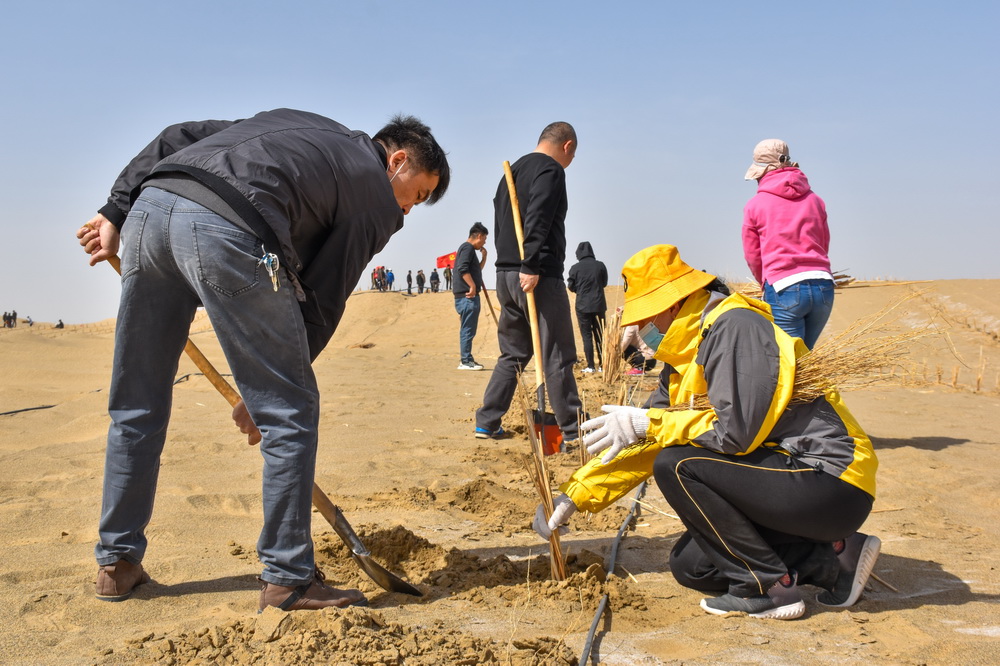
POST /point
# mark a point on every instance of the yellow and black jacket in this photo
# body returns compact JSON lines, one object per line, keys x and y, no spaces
{"x":746,"y":365}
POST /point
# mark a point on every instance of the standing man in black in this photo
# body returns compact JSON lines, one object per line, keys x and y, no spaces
{"x":587,"y":279}
{"x":540,"y":180}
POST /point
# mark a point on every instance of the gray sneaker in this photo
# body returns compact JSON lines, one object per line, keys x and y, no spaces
{"x":857,"y":560}
{"x":782,"y":602}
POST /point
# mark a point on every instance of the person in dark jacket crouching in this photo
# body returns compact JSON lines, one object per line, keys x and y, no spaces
{"x":587,"y":278}
{"x":268,"y":223}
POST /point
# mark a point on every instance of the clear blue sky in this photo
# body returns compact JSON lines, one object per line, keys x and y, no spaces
{"x":890,"y":108}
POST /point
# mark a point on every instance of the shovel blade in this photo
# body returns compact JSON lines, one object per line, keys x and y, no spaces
{"x":383,"y":577}
{"x":548,"y":432}
{"x":361,"y":555}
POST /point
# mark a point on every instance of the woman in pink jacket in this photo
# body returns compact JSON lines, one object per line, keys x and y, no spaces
{"x":785,"y":242}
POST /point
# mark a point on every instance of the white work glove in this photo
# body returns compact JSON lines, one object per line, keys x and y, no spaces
{"x":562,"y":509}
{"x":620,"y":427}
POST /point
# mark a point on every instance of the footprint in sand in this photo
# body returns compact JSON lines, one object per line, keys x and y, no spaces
{"x":233,"y":505}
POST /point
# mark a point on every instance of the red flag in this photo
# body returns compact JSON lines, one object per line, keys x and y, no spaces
{"x":446,"y":261}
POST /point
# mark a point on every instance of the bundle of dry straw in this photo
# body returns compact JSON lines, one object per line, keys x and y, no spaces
{"x":754,"y":290}
{"x":539,"y":473}
{"x":613,"y":368}
{"x":867,"y":353}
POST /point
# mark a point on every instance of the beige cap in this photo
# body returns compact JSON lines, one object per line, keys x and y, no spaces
{"x":768,"y":155}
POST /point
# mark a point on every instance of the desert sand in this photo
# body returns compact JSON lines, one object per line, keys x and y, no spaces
{"x":451,"y":514}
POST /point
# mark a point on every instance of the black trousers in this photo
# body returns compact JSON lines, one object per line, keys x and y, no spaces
{"x":591,"y":326}
{"x":752,"y":518}
{"x":558,"y":351}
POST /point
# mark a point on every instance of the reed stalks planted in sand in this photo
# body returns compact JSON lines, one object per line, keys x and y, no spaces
{"x":539,"y":473}
{"x":613,"y":368}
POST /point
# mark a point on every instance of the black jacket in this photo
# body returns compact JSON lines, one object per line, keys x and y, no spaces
{"x":540,"y":182}
{"x":588,"y":278}
{"x":319,"y":187}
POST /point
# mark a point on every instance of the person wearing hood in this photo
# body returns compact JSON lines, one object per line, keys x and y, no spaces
{"x":786,"y":241}
{"x":753,"y":548}
{"x":587,"y":279}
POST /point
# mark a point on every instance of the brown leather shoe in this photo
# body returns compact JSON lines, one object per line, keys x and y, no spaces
{"x":116,"y":582}
{"x":313,"y":595}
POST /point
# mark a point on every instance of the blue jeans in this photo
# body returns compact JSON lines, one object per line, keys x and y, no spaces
{"x":468,"y":324}
{"x":177,"y":255}
{"x":802,"y":309}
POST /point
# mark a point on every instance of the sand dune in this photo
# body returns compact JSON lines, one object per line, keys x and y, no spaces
{"x":451,"y":514}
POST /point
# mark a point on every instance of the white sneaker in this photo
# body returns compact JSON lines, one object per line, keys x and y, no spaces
{"x":587,"y":371}
{"x":470,"y":366}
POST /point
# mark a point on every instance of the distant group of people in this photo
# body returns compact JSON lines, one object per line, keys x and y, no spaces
{"x":10,"y":320}
{"x":201,"y":193}
{"x":430,"y":284}
{"x":382,"y":278}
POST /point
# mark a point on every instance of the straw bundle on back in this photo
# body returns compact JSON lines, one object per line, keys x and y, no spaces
{"x":856,"y":358}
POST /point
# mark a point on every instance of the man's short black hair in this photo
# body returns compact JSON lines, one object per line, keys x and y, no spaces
{"x":478,"y":228}
{"x":558,"y":133}
{"x":411,"y":135}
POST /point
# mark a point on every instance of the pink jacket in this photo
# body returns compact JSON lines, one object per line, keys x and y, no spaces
{"x":784,"y":228}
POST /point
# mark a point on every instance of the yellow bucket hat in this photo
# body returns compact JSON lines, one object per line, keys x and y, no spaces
{"x":655,"y":279}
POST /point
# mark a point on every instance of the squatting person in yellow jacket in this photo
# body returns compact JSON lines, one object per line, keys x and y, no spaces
{"x":772,"y":493}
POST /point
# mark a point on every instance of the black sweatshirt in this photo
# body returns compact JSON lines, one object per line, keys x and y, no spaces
{"x":466,"y":261}
{"x":541,"y":193}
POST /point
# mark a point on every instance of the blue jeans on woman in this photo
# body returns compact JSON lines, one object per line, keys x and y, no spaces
{"x":175,"y":256}
{"x":468,"y":324}
{"x":801,"y":309}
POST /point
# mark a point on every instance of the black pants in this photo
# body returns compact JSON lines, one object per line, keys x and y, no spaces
{"x":514,"y":336}
{"x":591,"y":327}
{"x":752,"y":518}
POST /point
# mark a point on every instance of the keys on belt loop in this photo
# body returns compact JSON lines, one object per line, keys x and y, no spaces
{"x":271,"y":265}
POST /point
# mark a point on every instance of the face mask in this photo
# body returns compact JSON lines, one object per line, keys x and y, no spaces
{"x":651,"y":336}
{"x":397,"y":170}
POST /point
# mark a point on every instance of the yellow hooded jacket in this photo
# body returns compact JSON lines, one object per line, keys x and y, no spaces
{"x":746,"y":365}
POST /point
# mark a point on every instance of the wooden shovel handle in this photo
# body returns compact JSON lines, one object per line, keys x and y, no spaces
{"x":536,"y":339}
